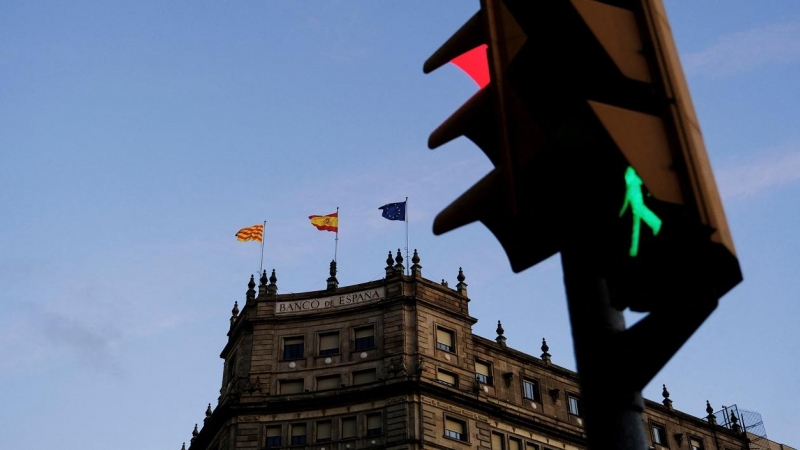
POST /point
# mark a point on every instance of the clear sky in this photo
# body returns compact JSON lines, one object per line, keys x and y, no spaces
{"x":137,"y":137}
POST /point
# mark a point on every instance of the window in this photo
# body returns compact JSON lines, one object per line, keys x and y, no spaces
{"x":348,"y":427}
{"x":329,"y":343}
{"x":514,"y":444}
{"x":273,"y":437}
{"x":530,"y":390}
{"x":290,"y":386}
{"x":374,"y":425}
{"x":299,"y":434}
{"x":324,"y":431}
{"x":659,"y":435}
{"x":365,"y":338}
{"x":531,"y":446}
{"x":328,"y":382}
{"x":455,"y":429}
{"x":446,"y":378}
{"x":695,"y":443}
{"x":364,"y":376}
{"x":483,"y":372}
{"x":293,"y":347}
{"x":444,"y":340}
{"x":498,"y":441}
{"x":574,"y":405}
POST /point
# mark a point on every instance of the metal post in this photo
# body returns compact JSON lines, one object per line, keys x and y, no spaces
{"x":611,"y":405}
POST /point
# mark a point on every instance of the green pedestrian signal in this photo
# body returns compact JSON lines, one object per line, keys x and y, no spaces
{"x":640,"y":211}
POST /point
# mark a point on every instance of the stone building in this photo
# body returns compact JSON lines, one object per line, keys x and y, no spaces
{"x":393,"y":364}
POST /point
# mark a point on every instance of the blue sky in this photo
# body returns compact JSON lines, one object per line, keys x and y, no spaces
{"x":137,"y":137}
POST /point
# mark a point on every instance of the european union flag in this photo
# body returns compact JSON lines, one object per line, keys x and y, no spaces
{"x":394,"y":211}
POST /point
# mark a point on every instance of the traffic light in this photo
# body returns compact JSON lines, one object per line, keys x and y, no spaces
{"x":589,"y":124}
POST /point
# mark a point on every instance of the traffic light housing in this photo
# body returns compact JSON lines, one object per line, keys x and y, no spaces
{"x":590,"y":126}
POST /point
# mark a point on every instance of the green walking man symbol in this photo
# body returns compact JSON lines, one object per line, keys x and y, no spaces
{"x":640,"y":211}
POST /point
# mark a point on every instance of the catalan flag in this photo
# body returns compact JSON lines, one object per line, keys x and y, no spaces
{"x":326,"y":223}
{"x":254,"y":233}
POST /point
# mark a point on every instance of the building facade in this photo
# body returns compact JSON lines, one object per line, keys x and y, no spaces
{"x":393,"y":364}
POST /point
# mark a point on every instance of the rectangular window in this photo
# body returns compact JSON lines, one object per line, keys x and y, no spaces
{"x":531,"y":446}
{"x":514,"y":444}
{"x":329,"y":343}
{"x":530,"y":390}
{"x":324,"y":431}
{"x":374,"y":425}
{"x":348,"y":427}
{"x":444,"y":340}
{"x":455,"y":429}
{"x":695,"y":443}
{"x":446,"y":378}
{"x":298,"y":434}
{"x":293,"y":347}
{"x":364,"y":376}
{"x":290,"y":386}
{"x":328,"y":382}
{"x":483,"y":372}
{"x":659,"y":435}
{"x":365,"y":338}
{"x":498,"y":441}
{"x":273,"y":437}
{"x":574,"y":405}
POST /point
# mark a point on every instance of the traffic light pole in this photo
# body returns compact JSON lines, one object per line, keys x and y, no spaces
{"x":614,"y":362}
{"x":612,"y":408}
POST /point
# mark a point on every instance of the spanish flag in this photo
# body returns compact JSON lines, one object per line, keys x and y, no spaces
{"x":326,"y":223}
{"x":254,"y":233}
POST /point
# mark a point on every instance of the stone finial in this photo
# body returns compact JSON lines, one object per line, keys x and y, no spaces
{"x":735,"y":423}
{"x":444,"y":283}
{"x":272,"y":287}
{"x":500,"y":338}
{"x":389,"y":265}
{"x":399,"y":268}
{"x":461,"y":287}
{"x":195,"y":433}
{"x":416,"y":269}
{"x":665,"y":393}
{"x":183,"y":447}
{"x":234,"y":312}
{"x":545,"y":348}
{"x":712,"y":419}
{"x":333,"y":283}
{"x":251,"y":292}
{"x":208,"y":411}
{"x":262,"y":283}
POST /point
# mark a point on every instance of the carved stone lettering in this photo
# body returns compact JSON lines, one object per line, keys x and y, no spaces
{"x":328,"y":303}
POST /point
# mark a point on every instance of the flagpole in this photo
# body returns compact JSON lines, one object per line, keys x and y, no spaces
{"x":336,"y":247}
{"x":263,"y":229}
{"x":408,"y":260}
